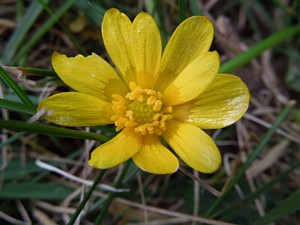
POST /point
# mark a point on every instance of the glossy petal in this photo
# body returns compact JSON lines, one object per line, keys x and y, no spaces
{"x":146,"y":48}
{"x":222,"y":104}
{"x":118,"y":150}
{"x":76,"y":109}
{"x":90,"y":75}
{"x":155,"y":158}
{"x":193,"y":146}
{"x":116,"y":28}
{"x":193,"y":79}
{"x":192,"y":38}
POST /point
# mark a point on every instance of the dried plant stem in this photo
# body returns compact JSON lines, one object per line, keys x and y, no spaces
{"x":204,"y":184}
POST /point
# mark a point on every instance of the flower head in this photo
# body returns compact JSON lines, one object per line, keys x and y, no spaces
{"x":152,"y":96}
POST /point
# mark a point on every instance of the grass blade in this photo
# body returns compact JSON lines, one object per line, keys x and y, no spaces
{"x":253,"y":52}
{"x":50,"y":130}
{"x":284,"y":208}
{"x":15,"y":170}
{"x":43,"y":29}
{"x":10,"y":82}
{"x":111,"y":196}
{"x":36,"y":71}
{"x":181,"y":6}
{"x":16,"y":107}
{"x":234,"y":208}
{"x":25,"y":24}
{"x":45,"y":191}
{"x":86,"y":197}
{"x":252,"y":157}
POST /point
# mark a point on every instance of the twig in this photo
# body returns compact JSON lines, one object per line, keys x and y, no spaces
{"x":203,"y":183}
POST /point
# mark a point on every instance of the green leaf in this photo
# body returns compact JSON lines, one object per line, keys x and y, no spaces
{"x":284,"y":208}
{"x":15,"y":170}
{"x":45,"y":191}
{"x":10,"y":82}
{"x":50,"y":130}
{"x":16,"y":107}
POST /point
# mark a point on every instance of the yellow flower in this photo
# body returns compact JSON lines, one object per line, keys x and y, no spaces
{"x":151,"y":97}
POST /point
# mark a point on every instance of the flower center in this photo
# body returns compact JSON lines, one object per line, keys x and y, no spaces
{"x":141,"y":109}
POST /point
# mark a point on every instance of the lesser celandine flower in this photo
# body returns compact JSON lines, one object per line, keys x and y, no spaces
{"x":152,"y":96}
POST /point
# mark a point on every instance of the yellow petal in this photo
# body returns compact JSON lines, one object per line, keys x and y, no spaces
{"x":146,"y":48}
{"x":155,"y":158}
{"x":116,"y":27}
{"x":193,"y":79}
{"x":118,"y":150}
{"x":192,"y":38}
{"x":90,"y":75}
{"x":223,"y":103}
{"x":193,"y":146}
{"x":76,"y":109}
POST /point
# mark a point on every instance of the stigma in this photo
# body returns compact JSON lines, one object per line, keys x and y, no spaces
{"x":142,"y":110}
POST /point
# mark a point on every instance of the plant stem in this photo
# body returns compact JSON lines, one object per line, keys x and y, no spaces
{"x":111,"y":196}
{"x":86,"y":197}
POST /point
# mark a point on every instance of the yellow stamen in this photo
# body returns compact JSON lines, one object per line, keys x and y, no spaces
{"x":141,"y":109}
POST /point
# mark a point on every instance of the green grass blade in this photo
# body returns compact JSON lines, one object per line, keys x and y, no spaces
{"x":50,"y":130}
{"x":194,"y":7}
{"x":181,"y":6}
{"x":265,"y":14}
{"x":15,"y":170}
{"x":25,"y":24}
{"x":46,"y":191}
{"x":16,"y":107}
{"x":252,"y":157}
{"x":284,"y":208}
{"x":86,"y":197}
{"x":37,"y":72}
{"x":234,"y":208}
{"x":253,"y":52}
{"x":43,"y":29}
{"x":111,"y":196}
{"x":10,"y":82}
{"x":65,"y":29}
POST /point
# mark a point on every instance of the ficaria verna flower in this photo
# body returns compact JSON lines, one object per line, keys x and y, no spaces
{"x":152,"y":96}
